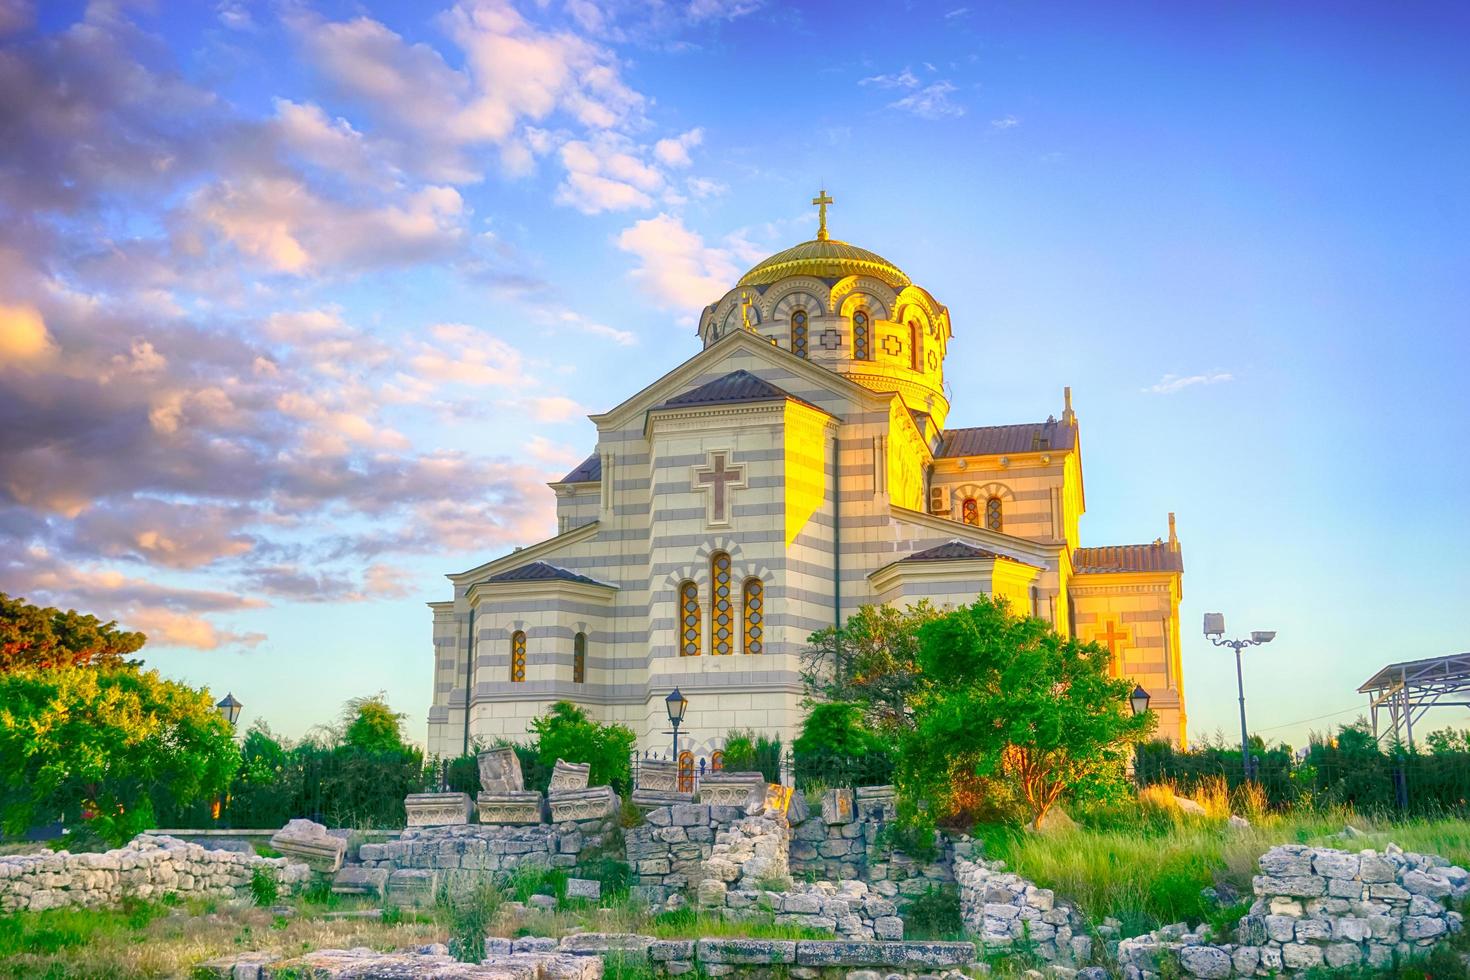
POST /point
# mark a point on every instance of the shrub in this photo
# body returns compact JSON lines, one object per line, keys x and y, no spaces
{"x":470,"y":914}
{"x":263,"y":887}
{"x":111,"y":747}
{"x":565,"y":732}
{"x":745,"y":751}
{"x":934,"y":915}
{"x":835,"y":748}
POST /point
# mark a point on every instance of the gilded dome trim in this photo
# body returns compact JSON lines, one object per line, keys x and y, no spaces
{"x":825,"y":259}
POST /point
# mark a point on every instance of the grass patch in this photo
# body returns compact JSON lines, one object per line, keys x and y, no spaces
{"x":619,"y":966}
{"x":689,"y":923}
{"x":1146,"y":865}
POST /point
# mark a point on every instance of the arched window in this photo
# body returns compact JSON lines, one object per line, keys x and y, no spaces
{"x":992,"y":513}
{"x":970,"y":512}
{"x":798,"y":333}
{"x":689,"y":615}
{"x":579,"y":658}
{"x":915,"y":335}
{"x":755,"y":616}
{"x":722,"y":609}
{"x":518,"y":656}
{"x":862,"y":339}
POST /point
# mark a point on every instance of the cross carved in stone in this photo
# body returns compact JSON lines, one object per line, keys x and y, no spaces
{"x":831,"y":339}
{"x":892,"y":346}
{"x":1111,"y":637}
{"x":720,"y":478}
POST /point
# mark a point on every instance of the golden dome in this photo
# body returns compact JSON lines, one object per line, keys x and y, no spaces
{"x":825,"y":258}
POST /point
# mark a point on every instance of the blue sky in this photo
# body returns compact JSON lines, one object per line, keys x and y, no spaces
{"x":301,"y":303}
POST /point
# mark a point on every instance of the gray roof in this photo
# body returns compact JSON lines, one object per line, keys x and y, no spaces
{"x":958,"y":550}
{"x":737,"y":386}
{"x":992,"y":440}
{"x":538,"y":571}
{"x":587,"y":471}
{"x":1156,"y":557}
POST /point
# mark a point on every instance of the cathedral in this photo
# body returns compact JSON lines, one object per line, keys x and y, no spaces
{"x":798,"y":466}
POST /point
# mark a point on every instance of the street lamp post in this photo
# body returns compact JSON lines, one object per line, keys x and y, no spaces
{"x":1138,"y":701}
{"x":229,"y":709}
{"x":1215,"y":629}
{"x":677,"y":704}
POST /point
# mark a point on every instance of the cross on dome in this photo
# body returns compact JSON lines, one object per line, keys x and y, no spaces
{"x":821,"y":201}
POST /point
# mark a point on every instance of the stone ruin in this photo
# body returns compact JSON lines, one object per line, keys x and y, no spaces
{"x":503,"y":797}
{"x":1317,"y":907}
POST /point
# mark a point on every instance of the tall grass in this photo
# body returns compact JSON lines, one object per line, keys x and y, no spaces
{"x":1145,"y":863}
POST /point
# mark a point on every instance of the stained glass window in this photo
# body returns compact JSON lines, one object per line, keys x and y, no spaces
{"x":970,"y":512}
{"x":862,"y":348}
{"x":518,"y":656}
{"x":992,"y":513}
{"x":755,"y":616}
{"x":798,"y":333}
{"x":689,"y":617}
{"x":579,"y":658}
{"x":722,"y":609}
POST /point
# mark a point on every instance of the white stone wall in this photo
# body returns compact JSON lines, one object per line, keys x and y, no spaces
{"x":148,"y":867}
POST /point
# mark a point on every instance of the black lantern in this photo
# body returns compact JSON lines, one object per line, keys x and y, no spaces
{"x":1138,"y":700}
{"x":229,"y":709}
{"x":677,"y":705}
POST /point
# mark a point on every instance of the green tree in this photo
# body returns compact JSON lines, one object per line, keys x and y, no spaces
{"x":872,"y":662}
{"x":565,"y":732}
{"x":35,"y":636}
{"x":1003,"y":695}
{"x":837,"y":748}
{"x":369,"y":724}
{"x":110,"y":746}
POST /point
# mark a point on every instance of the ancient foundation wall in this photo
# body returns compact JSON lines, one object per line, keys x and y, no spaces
{"x":148,"y":867}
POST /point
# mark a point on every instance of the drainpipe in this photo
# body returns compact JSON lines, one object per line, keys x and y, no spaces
{"x":469,"y":680}
{"x":837,"y":546}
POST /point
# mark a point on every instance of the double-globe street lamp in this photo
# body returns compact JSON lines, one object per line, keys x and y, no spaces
{"x":1215,"y":629}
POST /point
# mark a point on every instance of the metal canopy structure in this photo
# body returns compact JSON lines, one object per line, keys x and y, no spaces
{"x":1407,"y":690}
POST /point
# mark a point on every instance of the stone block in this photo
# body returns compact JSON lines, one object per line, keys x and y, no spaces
{"x":597,"y":803}
{"x":1244,"y":959}
{"x":436,"y":809}
{"x":746,"y":951}
{"x":712,"y":892}
{"x":310,"y":844}
{"x":584,"y":888}
{"x":600,"y":943}
{"x":1388,"y":891}
{"x":1375,"y":868}
{"x":689,"y":815}
{"x":356,"y":879}
{"x":1420,"y":883}
{"x":500,"y":771}
{"x":888,"y":927}
{"x":665,"y":950}
{"x":837,"y":806}
{"x":658,"y":775}
{"x":1340,"y":955}
{"x":1423,"y":927}
{"x":533,"y":944}
{"x":1305,"y":886}
{"x":1299,"y":956}
{"x":568,"y":776}
{"x":875,"y":802}
{"x":734,"y":789}
{"x":1287,"y":861}
{"x":1205,"y":961}
{"x":411,"y":887}
{"x":519,"y":807}
{"x":1335,"y":864}
{"x":798,"y":811}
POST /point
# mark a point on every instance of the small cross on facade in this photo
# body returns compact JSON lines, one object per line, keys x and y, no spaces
{"x":720,"y":478}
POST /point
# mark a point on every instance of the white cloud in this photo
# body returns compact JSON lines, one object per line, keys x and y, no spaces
{"x":903,"y":79}
{"x":677,"y":270}
{"x":931,"y":102}
{"x":1004,"y":123}
{"x":24,"y":338}
{"x":674,"y":152}
{"x":1172,"y":383}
